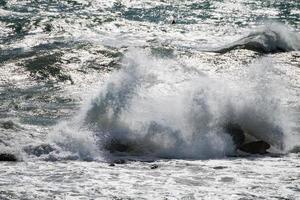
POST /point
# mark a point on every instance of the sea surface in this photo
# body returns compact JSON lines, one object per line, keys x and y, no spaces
{"x":132,"y":99}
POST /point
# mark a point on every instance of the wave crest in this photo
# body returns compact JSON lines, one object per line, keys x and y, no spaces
{"x":156,"y":107}
{"x":270,"y":38}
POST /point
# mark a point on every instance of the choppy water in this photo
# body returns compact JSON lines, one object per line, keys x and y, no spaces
{"x":149,"y":81}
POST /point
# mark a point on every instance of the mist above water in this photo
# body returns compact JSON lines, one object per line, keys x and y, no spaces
{"x":160,"y":107}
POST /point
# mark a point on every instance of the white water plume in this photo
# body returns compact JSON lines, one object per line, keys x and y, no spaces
{"x":269,"y":38}
{"x":159,"y":107}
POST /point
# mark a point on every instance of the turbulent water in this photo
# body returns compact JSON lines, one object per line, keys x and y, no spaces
{"x":154,"y":84}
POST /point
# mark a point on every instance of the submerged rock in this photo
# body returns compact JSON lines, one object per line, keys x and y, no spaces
{"x":39,"y":149}
{"x":8,"y":157}
{"x":219,"y":167}
{"x":8,"y":125}
{"x":119,"y":161}
{"x":257,"y":147}
{"x":154,"y":166}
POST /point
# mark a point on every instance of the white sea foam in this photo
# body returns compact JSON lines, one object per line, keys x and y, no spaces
{"x":268,"y":38}
{"x":159,"y":107}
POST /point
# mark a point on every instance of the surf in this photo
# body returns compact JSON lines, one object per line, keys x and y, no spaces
{"x":156,"y":107}
{"x":269,"y":38}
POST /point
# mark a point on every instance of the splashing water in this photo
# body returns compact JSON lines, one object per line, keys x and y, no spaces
{"x":159,"y":107}
{"x":270,"y":38}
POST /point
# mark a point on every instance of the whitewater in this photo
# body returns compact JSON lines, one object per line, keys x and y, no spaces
{"x":149,"y":99}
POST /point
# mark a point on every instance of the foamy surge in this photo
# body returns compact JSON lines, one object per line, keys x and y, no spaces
{"x":158,"y":107}
{"x":270,"y":38}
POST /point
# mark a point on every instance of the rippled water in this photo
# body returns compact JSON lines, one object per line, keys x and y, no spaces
{"x":143,"y":80}
{"x":262,"y":178}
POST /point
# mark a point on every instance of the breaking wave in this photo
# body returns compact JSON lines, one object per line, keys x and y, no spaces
{"x":270,"y":38}
{"x":162,"y":108}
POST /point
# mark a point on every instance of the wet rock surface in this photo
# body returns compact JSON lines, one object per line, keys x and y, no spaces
{"x":154,"y":166}
{"x":39,"y":149}
{"x":258,"y":147}
{"x":236,"y":132}
{"x":8,"y":157}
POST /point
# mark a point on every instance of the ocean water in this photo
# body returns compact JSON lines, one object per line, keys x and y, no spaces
{"x":152,"y":85}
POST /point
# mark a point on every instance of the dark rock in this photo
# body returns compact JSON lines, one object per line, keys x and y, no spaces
{"x":111,"y":165}
{"x":48,"y":28}
{"x":219,"y":167}
{"x":39,"y":150}
{"x":8,"y":125}
{"x":236,"y":132}
{"x":258,"y":147}
{"x":154,"y":166}
{"x":173,"y":21}
{"x":116,"y":145}
{"x":119,"y":161}
{"x":8,"y":157}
